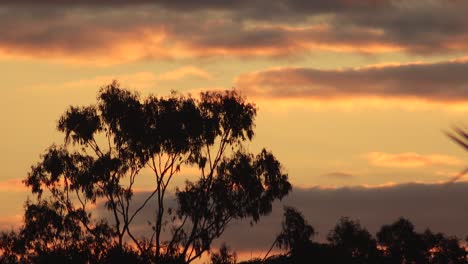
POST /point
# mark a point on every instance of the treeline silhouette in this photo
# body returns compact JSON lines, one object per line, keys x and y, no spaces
{"x":349,"y":242}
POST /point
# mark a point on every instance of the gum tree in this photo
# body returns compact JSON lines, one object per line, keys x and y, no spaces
{"x":107,"y":146}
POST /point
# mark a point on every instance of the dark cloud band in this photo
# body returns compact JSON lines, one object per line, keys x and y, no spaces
{"x":437,"y":82}
{"x":237,"y":28}
{"x":440,"y":207}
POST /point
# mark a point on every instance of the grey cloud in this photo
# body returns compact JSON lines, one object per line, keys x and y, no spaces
{"x":279,"y":5}
{"x":416,"y":26}
{"x":231,"y":27}
{"x":437,"y":82}
{"x":440,"y":207}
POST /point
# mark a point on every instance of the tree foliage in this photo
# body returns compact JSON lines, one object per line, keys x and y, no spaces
{"x":349,"y":242}
{"x":355,"y":243}
{"x":106,"y":148}
{"x":224,"y":256}
{"x":296,"y":233}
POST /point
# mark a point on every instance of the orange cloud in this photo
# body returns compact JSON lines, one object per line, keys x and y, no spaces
{"x":184,"y":72}
{"x":13,"y":185}
{"x":100,"y":46}
{"x":138,"y":80}
{"x":92,"y":46}
{"x":340,"y":175}
{"x":9,"y":222}
{"x":409,"y":160}
{"x":355,"y":187}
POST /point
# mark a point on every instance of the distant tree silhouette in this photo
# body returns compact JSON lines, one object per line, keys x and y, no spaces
{"x":106,"y":147}
{"x":224,"y":256}
{"x":348,"y":242}
{"x":443,"y":249}
{"x":353,"y":242}
{"x":296,"y":233}
{"x":401,"y":243}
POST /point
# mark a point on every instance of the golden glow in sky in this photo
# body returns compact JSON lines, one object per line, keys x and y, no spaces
{"x":350,"y":93}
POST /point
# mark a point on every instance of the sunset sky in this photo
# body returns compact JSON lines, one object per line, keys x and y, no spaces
{"x":354,"y":96}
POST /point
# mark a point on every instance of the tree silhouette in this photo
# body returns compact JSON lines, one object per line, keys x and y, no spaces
{"x":50,"y":234}
{"x":443,"y":249}
{"x":224,"y":256}
{"x":401,"y":243}
{"x":296,"y":232}
{"x":295,"y":235}
{"x":354,"y":243}
{"x":107,"y":146}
